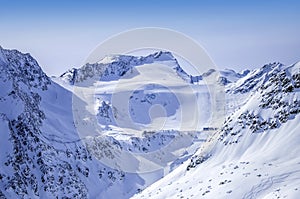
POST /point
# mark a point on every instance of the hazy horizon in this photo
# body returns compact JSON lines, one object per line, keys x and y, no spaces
{"x":237,"y":35}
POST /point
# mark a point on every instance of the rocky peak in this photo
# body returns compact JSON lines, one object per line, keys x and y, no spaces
{"x":23,"y":68}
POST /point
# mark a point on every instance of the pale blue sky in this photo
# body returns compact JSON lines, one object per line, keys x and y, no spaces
{"x":236,"y":34}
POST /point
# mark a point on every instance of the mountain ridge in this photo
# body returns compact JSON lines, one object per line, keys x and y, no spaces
{"x":258,"y":144}
{"x":43,"y":156}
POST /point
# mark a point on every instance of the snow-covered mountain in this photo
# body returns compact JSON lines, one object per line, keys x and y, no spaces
{"x":42,"y":153}
{"x":256,"y":152}
{"x":115,"y":66}
{"x":166,"y":132}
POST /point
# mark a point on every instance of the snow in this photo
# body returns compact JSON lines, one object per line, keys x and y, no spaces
{"x":113,"y":128}
{"x":275,"y":168}
{"x":107,"y":59}
{"x":266,"y":163}
{"x":2,"y":57}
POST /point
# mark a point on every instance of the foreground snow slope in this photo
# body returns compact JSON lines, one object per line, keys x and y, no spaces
{"x":256,"y":153}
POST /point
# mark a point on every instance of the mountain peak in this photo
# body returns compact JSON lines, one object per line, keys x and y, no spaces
{"x":113,"y":67}
{"x":22,"y":67}
{"x":158,"y":56}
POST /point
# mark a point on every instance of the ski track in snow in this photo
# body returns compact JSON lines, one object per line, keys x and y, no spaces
{"x":267,"y":183}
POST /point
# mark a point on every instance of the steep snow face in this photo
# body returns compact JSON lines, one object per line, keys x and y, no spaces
{"x":255,"y":78}
{"x":257,"y":146}
{"x":23,"y":170}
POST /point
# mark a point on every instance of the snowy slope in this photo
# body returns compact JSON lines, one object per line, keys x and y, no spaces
{"x":45,"y":154}
{"x":256,"y":153}
{"x":41,"y":152}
